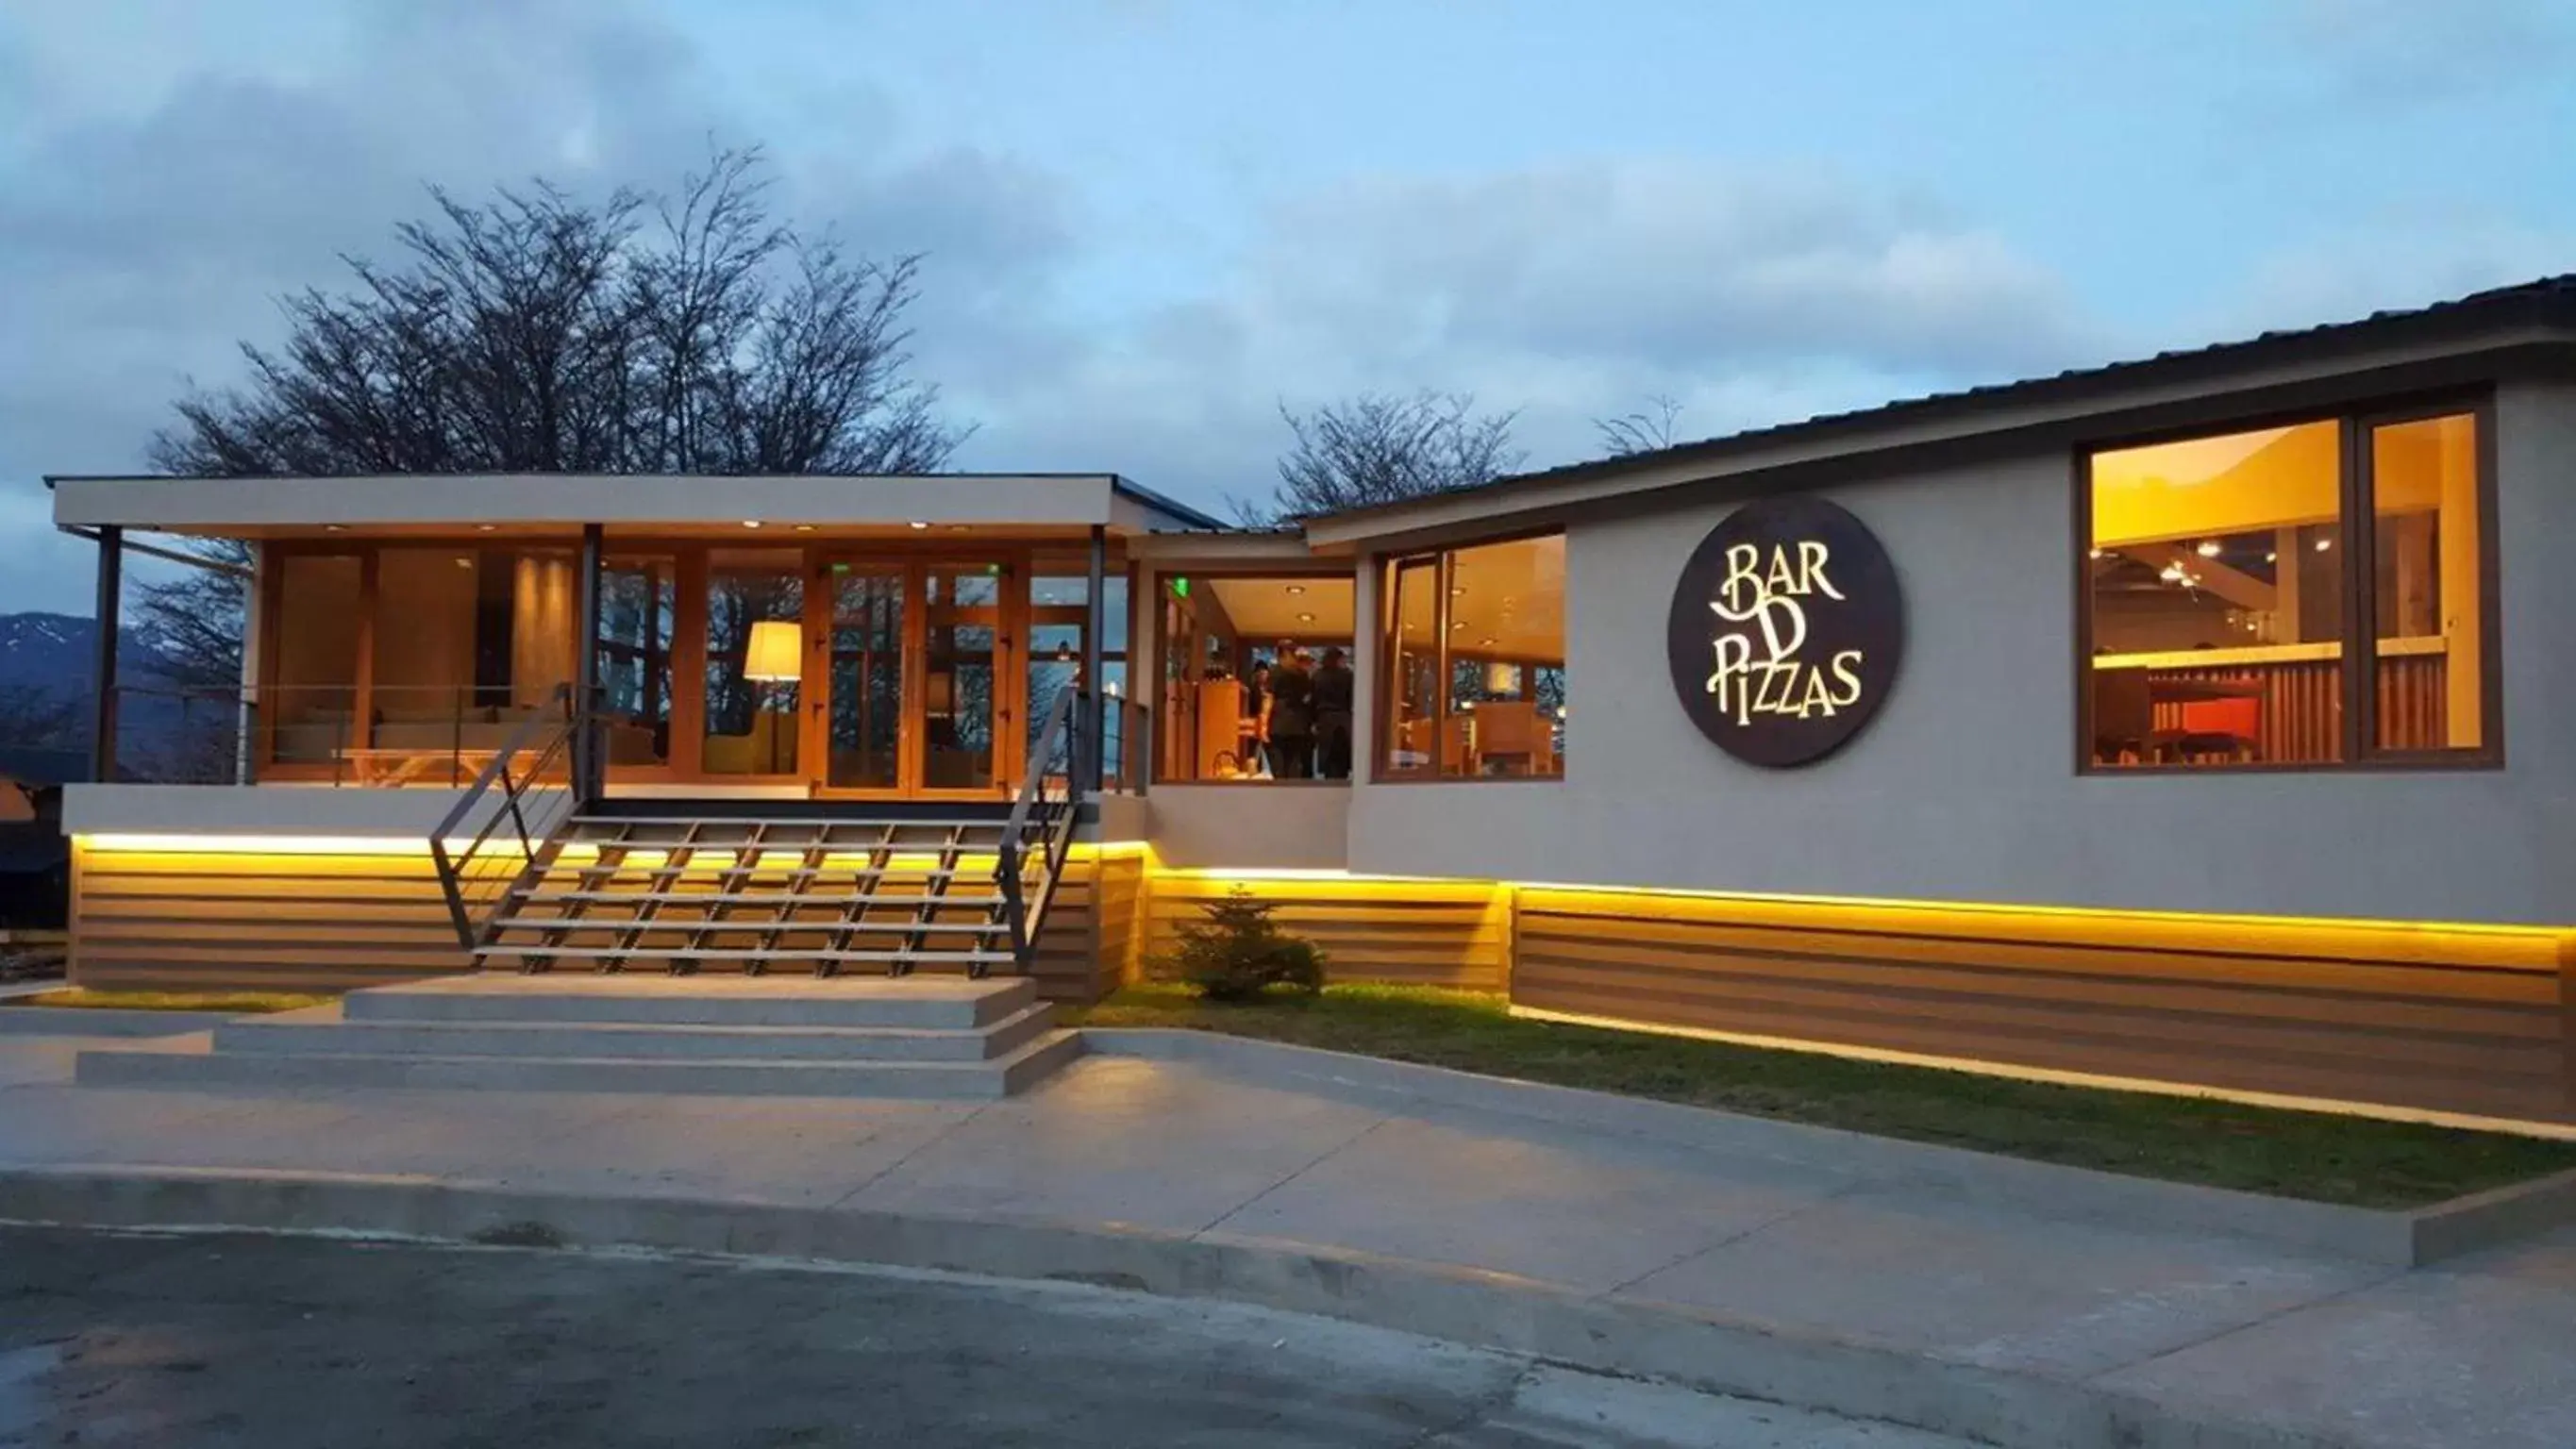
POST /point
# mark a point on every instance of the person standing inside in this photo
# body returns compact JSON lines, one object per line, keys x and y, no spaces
{"x":1292,"y":715}
{"x":1254,"y":733}
{"x":1333,"y":686}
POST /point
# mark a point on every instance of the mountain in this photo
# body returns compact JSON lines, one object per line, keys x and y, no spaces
{"x":53,"y":655}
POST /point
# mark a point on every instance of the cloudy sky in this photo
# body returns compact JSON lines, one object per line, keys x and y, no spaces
{"x":1149,"y":222}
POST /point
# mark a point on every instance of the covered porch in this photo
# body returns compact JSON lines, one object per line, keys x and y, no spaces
{"x":859,"y":638}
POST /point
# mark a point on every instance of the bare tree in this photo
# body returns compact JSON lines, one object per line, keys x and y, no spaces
{"x":1383,"y":448}
{"x":537,"y":332}
{"x":1648,"y":430}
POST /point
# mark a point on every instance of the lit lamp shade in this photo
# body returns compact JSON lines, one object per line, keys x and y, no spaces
{"x":1502,"y":678}
{"x":774,"y":652}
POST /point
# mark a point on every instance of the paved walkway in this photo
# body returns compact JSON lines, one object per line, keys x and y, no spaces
{"x":2474,"y":1352}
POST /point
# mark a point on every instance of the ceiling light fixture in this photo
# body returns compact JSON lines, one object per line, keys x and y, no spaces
{"x":2097,"y":553}
{"x":1305,"y":618}
{"x":2208,"y":548}
{"x":2323,"y":544}
{"x":751,"y":523}
{"x":804,"y":528}
{"x":1296,"y":588}
{"x":485,"y":527}
{"x":918,"y":525}
{"x":2270,"y":556}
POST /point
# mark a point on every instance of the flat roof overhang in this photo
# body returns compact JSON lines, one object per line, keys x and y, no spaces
{"x":521,"y":503}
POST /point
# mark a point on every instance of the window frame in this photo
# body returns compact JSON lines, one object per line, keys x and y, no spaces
{"x":2355,"y":423}
{"x":1443,"y":560}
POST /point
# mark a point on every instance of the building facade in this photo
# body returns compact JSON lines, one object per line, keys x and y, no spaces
{"x":2192,"y":722}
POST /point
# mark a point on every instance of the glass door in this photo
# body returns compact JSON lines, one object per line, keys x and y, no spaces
{"x":962,"y":711}
{"x":864,"y":738}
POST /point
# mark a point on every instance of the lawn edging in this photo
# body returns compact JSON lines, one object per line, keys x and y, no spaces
{"x":1633,"y":1337}
{"x":2403,"y":1238}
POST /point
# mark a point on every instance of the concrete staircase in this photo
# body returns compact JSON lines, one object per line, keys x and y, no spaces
{"x":781,"y":1035}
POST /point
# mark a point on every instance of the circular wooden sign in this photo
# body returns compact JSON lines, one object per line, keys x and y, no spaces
{"x":1786,"y":630}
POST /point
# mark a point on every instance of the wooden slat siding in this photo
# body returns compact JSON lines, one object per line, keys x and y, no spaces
{"x":2451,"y":1018}
{"x":1415,"y":933}
{"x":1067,"y":964}
{"x":1120,"y":902}
{"x":170,"y":921}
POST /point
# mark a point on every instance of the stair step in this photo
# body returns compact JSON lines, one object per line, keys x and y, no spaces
{"x":326,"y":1031}
{"x":691,"y":898}
{"x":809,"y":822}
{"x":661,"y":926}
{"x":746,"y":953}
{"x":994,"y":1078}
{"x":918,"y":1002}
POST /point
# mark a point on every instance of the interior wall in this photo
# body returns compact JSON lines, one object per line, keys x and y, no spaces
{"x":1964,"y":787}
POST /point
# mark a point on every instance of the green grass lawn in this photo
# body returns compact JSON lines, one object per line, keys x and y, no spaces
{"x":239,"y":1003}
{"x":2317,"y":1155}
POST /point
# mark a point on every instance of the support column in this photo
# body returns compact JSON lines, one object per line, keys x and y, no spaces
{"x":589,"y":771}
{"x":111,"y":598}
{"x":1095,"y":695}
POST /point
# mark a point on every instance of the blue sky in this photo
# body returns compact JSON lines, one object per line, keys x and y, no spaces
{"x":1151,"y":221}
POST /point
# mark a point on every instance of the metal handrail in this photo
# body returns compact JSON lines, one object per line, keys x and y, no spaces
{"x":1051,"y":818}
{"x":468,"y":872}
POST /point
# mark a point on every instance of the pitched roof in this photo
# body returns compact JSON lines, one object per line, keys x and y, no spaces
{"x":2549,"y":301}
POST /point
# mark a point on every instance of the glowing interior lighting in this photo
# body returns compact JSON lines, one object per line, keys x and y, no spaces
{"x":1296,"y":588}
{"x":917,"y":525}
{"x":485,"y":527}
{"x":751,"y":523}
{"x":2208,"y":548}
{"x":2171,"y":573}
{"x":2096,"y":553}
{"x":2323,"y":544}
{"x":2271,"y":557}
{"x":1305,"y":618}
{"x":804,"y":528}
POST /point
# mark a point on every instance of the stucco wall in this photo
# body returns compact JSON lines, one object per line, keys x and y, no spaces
{"x":1251,"y":827}
{"x":1964,"y":788}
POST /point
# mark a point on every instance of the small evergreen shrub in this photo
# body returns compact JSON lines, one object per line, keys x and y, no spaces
{"x":1238,"y":952}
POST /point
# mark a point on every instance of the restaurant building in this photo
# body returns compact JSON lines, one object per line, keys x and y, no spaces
{"x":2198,"y":721}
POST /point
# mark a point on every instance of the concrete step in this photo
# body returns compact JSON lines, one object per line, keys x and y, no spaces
{"x":1000,"y":1077}
{"x":918,"y":1002}
{"x":325,"y":1031}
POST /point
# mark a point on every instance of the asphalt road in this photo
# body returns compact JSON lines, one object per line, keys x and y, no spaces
{"x":129,"y":1339}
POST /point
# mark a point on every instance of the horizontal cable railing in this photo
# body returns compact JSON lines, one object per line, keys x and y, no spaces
{"x":513,"y":807}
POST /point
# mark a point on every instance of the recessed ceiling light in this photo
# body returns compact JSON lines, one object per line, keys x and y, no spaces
{"x":1296,"y":588}
{"x":1305,"y":618}
{"x":2209,"y":548}
{"x":464,"y":563}
{"x":335,"y":528}
{"x":751,"y":523}
{"x":485,"y":527}
{"x":1487,"y":643}
{"x":1457,"y":589}
{"x":956,"y":528}
{"x":1458,"y":624}
{"x":804,"y":528}
{"x":918,"y":525}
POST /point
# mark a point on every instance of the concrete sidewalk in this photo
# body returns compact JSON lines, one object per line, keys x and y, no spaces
{"x":2216,"y":1330}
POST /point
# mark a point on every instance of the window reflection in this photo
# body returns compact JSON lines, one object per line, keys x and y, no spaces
{"x":1476,"y":662}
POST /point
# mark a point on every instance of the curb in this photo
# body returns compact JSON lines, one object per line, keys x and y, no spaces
{"x":1480,"y":1309}
{"x":2409,"y":1238}
{"x":105,"y":1021}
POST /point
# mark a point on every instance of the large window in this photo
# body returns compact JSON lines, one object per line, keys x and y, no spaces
{"x":1258,"y":677}
{"x":1475,"y":662}
{"x":2234,"y":578}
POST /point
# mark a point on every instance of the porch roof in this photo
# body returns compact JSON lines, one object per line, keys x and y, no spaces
{"x":521,"y":502}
